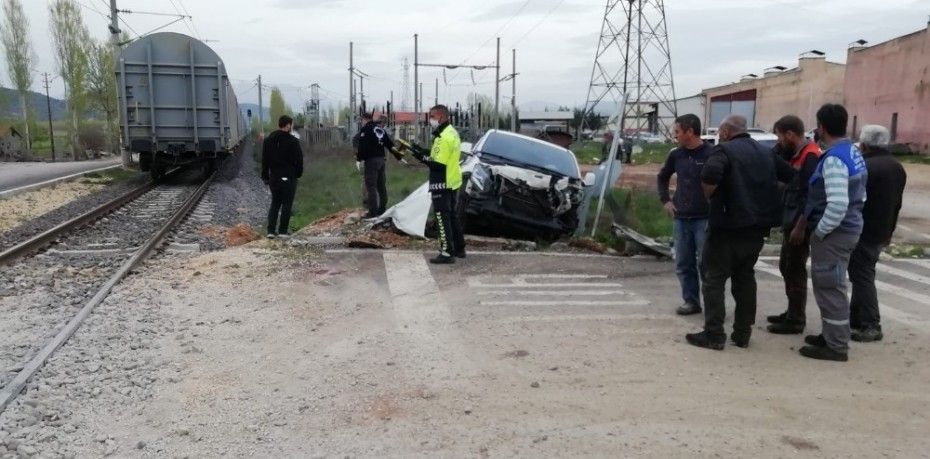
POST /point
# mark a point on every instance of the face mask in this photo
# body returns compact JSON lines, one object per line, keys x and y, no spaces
{"x":433,"y":123}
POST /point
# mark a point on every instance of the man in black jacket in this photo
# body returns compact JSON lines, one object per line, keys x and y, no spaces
{"x":282,"y":165}
{"x":372,"y":141}
{"x":803,"y":155}
{"x":884,"y":192}
{"x":740,"y":179}
{"x":688,"y":207}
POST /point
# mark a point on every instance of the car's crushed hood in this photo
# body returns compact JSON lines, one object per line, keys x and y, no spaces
{"x":525,"y":190}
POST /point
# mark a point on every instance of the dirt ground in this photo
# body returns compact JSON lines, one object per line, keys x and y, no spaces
{"x":270,"y":351}
{"x":31,"y":204}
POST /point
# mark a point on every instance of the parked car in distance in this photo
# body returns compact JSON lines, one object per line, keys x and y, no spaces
{"x":765,"y":139}
{"x":521,"y":186}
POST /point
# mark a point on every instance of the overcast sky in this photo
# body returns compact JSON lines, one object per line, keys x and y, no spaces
{"x":294,"y":43}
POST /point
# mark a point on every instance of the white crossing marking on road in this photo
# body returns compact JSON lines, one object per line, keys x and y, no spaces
{"x":916,"y":262}
{"x":887,"y":311}
{"x":598,"y":317}
{"x":556,"y":293}
{"x":522,"y":283}
{"x":566,"y":303}
{"x":564,"y":294}
{"x":415,"y":295}
{"x":911,"y":230}
{"x":902,"y":273}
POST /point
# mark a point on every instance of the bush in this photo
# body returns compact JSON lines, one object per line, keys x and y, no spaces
{"x":93,"y":138}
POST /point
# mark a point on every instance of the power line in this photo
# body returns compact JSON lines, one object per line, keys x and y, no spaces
{"x":189,"y":18}
{"x":496,"y":34}
{"x":549,"y":13}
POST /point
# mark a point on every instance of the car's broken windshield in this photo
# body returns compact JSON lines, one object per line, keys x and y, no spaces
{"x":530,"y":152}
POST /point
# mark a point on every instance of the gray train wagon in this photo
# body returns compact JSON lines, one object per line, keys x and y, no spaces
{"x":177,"y":107}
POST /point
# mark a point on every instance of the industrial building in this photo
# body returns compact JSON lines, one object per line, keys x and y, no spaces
{"x":779,"y":91}
{"x":889,"y":84}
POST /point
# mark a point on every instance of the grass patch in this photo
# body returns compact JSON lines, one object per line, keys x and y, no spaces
{"x":588,"y":152}
{"x":640,"y":210}
{"x":914,"y":159}
{"x":109,"y":176}
{"x":331,"y":183}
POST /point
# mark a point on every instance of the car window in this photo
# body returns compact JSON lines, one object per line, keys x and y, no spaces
{"x":529,"y":151}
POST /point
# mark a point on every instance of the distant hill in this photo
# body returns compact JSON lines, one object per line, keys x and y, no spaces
{"x":9,"y":105}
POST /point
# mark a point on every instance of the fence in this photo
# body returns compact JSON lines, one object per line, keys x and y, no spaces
{"x":331,"y":137}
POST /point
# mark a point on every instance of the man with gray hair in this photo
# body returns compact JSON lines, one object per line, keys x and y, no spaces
{"x":740,"y":180}
{"x":885,"y":190}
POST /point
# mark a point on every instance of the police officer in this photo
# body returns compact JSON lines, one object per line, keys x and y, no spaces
{"x":372,"y":141}
{"x":445,"y":179}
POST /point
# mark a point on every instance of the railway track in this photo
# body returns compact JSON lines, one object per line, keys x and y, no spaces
{"x":53,"y":281}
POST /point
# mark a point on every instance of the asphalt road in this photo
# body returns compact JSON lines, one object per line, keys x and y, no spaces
{"x":269,"y":351}
{"x":15,"y":175}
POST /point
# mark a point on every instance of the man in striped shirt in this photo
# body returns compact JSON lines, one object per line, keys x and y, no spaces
{"x":836,"y":196}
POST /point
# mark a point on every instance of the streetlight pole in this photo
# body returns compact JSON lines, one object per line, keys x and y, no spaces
{"x":513,"y":94}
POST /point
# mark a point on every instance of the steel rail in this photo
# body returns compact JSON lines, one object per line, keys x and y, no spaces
{"x":16,"y":386}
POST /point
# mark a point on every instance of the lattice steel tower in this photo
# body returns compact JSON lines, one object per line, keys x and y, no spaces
{"x":633,"y":57}
{"x":405,"y":95}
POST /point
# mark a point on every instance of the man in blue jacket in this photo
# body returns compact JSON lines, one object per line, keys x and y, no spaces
{"x":688,"y":207}
{"x":835,"y":198}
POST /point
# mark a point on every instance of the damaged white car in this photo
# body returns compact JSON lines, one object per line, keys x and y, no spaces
{"x":517,"y":184}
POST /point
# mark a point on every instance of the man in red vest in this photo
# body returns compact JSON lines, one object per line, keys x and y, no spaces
{"x":803,"y":155}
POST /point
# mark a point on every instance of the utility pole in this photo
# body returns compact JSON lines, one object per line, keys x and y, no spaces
{"x":417,"y":88}
{"x":497,"y":86}
{"x":513,"y":94}
{"x":351,"y":120}
{"x":48,"y":102}
{"x":125,"y":154}
{"x":436,"y":100}
{"x":361,"y":90}
{"x":261,"y":116}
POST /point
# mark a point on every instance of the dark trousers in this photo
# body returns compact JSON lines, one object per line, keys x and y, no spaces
{"x":793,"y":266}
{"x":376,"y":186}
{"x":863,"y":306}
{"x":730,"y":254}
{"x":451,"y":233}
{"x":282,"y":199}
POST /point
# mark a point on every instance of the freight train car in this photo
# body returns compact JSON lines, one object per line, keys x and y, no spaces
{"x":177,"y":107}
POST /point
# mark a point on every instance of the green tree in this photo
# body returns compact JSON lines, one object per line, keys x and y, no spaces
{"x":71,"y":40}
{"x":277,"y":107}
{"x":101,"y":89}
{"x":20,"y":58}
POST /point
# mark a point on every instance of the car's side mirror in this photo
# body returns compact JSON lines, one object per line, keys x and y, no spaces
{"x":589,"y":179}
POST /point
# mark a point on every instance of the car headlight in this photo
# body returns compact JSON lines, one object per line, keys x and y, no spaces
{"x":480,"y":178}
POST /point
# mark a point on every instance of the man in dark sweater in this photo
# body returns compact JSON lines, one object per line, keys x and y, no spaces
{"x":688,"y":207}
{"x":282,"y":165}
{"x":884,"y":192}
{"x":740,"y":179}
{"x":803,"y":155}
{"x":372,"y":140}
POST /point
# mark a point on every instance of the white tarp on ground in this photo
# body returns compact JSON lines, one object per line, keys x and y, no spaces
{"x":410,"y":214}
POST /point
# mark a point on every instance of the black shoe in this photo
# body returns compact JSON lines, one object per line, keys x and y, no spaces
{"x":442,"y":260}
{"x":815,"y":340}
{"x":460,"y":254}
{"x":778,"y":319}
{"x":688,"y":309}
{"x":740,"y":339}
{"x":786,"y":327}
{"x":867,"y":335}
{"x":705,"y":340}
{"x":823,"y":353}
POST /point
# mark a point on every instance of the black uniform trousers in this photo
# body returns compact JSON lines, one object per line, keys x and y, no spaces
{"x":792,"y":263}
{"x":730,"y":254}
{"x":282,"y":200}
{"x":863,"y":305}
{"x":451,"y":233}
{"x":376,"y":186}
